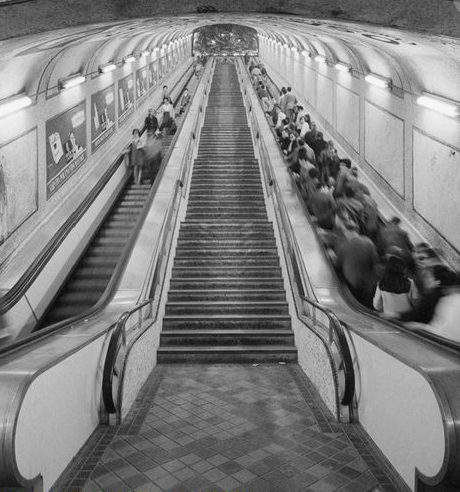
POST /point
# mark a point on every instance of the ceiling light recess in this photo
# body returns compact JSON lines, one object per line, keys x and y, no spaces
{"x":378,"y":80}
{"x":439,"y":104}
{"x":71,"y":81}
{"x":13,"y":104}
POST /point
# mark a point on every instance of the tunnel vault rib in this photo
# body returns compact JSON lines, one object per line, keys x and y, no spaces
{"x":226,"y":301}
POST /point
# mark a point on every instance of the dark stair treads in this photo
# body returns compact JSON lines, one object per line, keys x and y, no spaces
{"x":226,"y":301}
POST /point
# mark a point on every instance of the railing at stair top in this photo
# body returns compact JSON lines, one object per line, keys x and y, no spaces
{"x":130,"y":324}
{"x":321,"y":318}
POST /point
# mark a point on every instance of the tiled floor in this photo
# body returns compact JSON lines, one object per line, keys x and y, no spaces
{"x":229,"y":428}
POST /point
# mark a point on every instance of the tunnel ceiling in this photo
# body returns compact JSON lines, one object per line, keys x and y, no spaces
{"x":414,"y":61}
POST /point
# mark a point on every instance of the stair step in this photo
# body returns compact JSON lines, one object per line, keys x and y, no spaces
{"x":227,"y":307}
{"x":217,"y":295}
{"x":200,"y":283}
{"x":217,"y":337}
{"x":227,"y":354}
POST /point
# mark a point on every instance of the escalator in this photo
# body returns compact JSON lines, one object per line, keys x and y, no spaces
{"x":92,"y":273}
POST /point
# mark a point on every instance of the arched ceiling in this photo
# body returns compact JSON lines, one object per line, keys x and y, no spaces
{"x":416,"y":62}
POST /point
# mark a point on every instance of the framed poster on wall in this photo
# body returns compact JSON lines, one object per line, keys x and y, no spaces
{"x":153,"y":74}
{"x":141,"y":84}
{"x":65,"y":146}
{"x":125,"y":98}
{"x":102,"y":116}
{"x":18,"y":182}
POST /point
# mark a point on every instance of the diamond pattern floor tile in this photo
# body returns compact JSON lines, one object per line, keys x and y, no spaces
{"x":229,"y":428}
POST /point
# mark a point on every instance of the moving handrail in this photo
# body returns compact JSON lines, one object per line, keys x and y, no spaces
{"x":106,"y":296}
{"x":121,"y":342}
{"x":336,"y":331}
{"x":10,"y":298}
{"x":440,"y":368}
{"x":48,"y":357}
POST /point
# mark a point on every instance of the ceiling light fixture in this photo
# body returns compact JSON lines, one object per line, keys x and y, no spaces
{"x":71,"y":81}
{"x":108,"y":67}
{"x":439,"y":104}
{"x":343,"y":67}
{"x":129,"y":59}
{"x":378,"y":80}
{"x":13,"y":104}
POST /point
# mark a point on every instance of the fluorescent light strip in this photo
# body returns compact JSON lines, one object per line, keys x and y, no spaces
{"x":129,"y":59}
{"x":378,"y":80}
{"x":320,"y":59}
{"x":71,"y":81}
{"x":14,"y":104}
{"x":108,"y":67}
{"x":438,"y":104}
{"x":342,"y":67}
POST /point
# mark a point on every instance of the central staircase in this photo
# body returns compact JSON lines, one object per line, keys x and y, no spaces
{"x":226,"y":301}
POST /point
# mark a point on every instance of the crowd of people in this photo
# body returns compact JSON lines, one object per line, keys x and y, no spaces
{"x":383,"y":269}
{"x":146,"y":147}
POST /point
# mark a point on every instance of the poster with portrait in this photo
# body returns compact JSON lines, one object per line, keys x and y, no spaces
{"x":141,"y":84}
{"x":153,"y":74}
{"x":18,"y":182}
{"x":102,"y":116}
{"x":65,"y":146}
{"x":125,"y":98}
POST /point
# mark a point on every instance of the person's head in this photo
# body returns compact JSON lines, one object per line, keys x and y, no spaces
{"x":72,"y":137}
{"x":299,"y":107}
{"x":289,"y":89}
{"x":319,"y":135}
{"x":349,"y":192}
{"x":150,"y":111}
{"x":185,"y":90}
{"x":330,"y":145}
{"x":345,"y":162}
{"x":354,"y":171}
{"x":395,"y":277}
{"x":396,"y":221}
{"x":165,"y":87}
{"x":302,"y":142}
{"x":292,"y":137}
{"x":313,"y":173}
{"x":445,"y":276}
{"x":135,"y":133}
{"x":286,"y":121}
{"x":330,"y":182}
{"x":283,"y":90}
{"x":166,"y":100}
{"x":302,"y":153}
{"x":313,"y":126}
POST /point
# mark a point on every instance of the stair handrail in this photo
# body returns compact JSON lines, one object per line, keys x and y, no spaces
{"x":336,"y":330}
{"x":123,"y":335}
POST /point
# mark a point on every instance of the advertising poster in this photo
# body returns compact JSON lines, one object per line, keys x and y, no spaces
{"x":18,"y":182}
{"x":65,"y":146}
{"x":153,"y":74}
{"x":125,"y":98}
{"x":102,"y":116}
{"x":162,"y":69}
{"x":141,"y":84}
